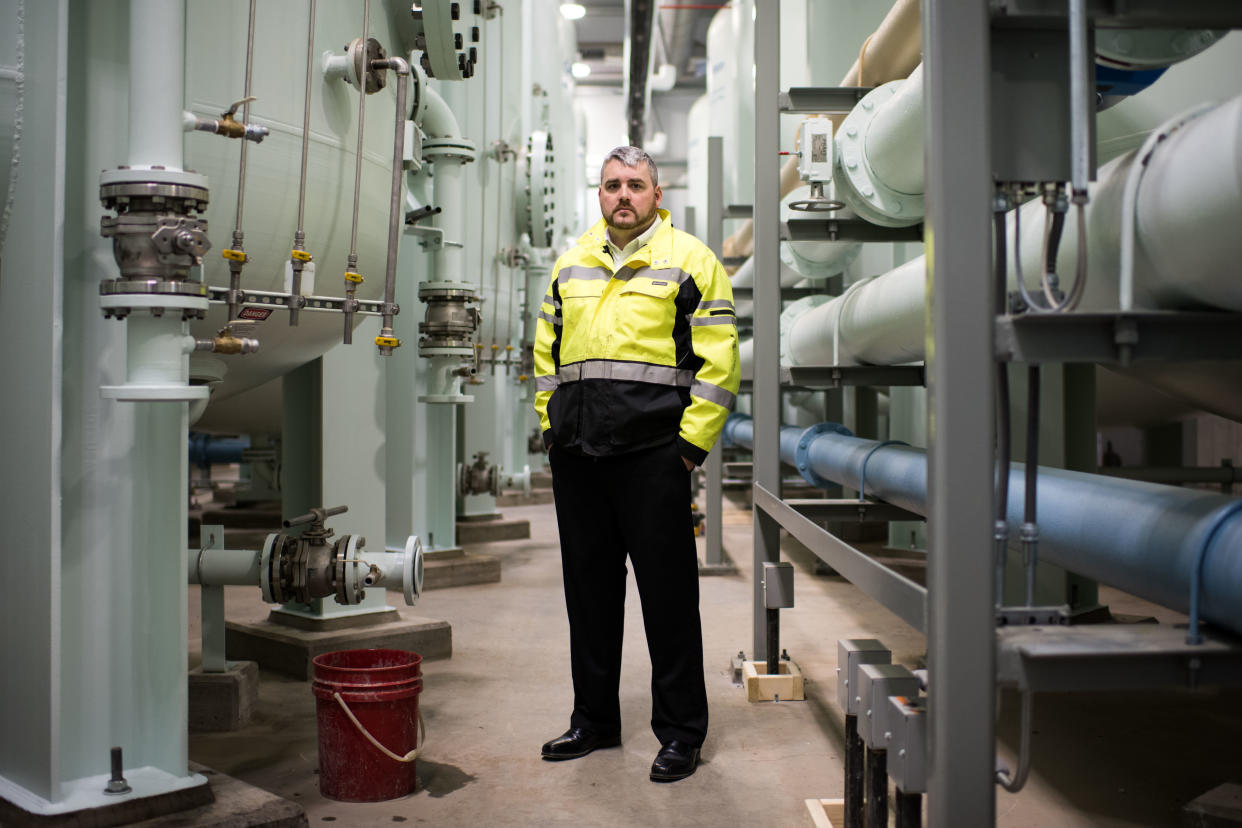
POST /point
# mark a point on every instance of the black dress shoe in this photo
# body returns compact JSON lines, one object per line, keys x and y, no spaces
{"x":577,"y":742}
{"x":676,"y":760}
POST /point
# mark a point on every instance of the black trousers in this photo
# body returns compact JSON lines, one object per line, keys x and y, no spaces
{"x":635,"y":505}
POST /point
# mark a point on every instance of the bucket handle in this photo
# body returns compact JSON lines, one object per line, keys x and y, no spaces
{"x":409,"y":757}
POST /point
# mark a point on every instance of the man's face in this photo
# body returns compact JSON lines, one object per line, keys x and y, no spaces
{"x":626,"y":198}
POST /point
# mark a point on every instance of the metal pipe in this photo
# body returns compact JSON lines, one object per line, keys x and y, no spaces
{"x":386,"y":341}
{"x":297,"y":256}
{"x":223,"y":567}
{"x":156,"y":84}
{"x":1081,"y":101}
{"x":236,"y":254}
{"x":1149,"y":545}
{"x":1186,"y":215}
{"x":352,"y":277}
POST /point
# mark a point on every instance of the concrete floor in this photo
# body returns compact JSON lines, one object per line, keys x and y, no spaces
{"x":1099,"y":761}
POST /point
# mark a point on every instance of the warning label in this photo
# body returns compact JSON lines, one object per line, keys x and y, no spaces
{"x":257,"y":314}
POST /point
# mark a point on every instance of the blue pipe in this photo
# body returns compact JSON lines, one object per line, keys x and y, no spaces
{"x":207,"y":449}
{"x":1154,"y":541}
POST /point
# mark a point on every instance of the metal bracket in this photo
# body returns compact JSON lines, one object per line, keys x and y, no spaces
{"x":1032,"y":616}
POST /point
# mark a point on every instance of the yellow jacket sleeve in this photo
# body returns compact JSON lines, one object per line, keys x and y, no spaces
{"x":713,"y":336}
{"x":547,"y":353}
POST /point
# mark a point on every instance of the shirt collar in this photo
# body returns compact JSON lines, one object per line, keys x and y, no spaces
{"x":620,"y":254}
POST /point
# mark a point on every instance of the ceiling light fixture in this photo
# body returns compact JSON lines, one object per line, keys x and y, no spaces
{"x":573,"y":11}
{"x":579,"y":69}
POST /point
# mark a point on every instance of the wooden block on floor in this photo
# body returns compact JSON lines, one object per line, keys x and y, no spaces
{"x":762,"y":686}
{"x":825,"y":813}
{"x":1220,"y":807}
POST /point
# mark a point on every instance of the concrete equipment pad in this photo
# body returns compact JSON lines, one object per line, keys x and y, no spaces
{"x":289,"y":651}
{"x":224,"y":701}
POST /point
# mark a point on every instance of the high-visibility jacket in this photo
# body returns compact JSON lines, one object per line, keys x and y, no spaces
{"x":630,"y":355}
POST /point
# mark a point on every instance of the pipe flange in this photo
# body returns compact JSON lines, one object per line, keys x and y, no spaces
{"x":455,"y":293}
{"x":133,"y":196}
{"x":153,"y":175}
{"x":412,"y":570}
{"x":538,"y":200}
{"x":802,"y":460}
{"x":789,"y":316}
{"x":446,"y":348}
{"x":269,"y":587}
{"x":360,"y":56}
{"x":451,"y":37}
{"x":152,"y":287}
{"x":461,"y":150}
{"x":1137,"y":49}
{"x":350,"y":571}
{"x":870,"y":198}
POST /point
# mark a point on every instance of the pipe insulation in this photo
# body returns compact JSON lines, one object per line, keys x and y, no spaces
{"x":1188,"y":208}
{"x":1143,"y":538}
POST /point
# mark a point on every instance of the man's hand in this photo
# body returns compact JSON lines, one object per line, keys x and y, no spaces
{"x":689,"y":465}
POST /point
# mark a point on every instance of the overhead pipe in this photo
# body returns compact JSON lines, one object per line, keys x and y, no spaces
{"x":1187,"y":212}
{"x":892,"y":52}
{"x":1151,"y":544}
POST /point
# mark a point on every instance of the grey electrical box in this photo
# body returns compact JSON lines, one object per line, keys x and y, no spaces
{"x":907,"y":749}
{"x":778,"y":580}
{"x":1030,"y":120}
{"x":876,"y":682}
{"x":851,"y":652}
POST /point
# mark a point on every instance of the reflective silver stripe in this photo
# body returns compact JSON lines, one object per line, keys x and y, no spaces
{"x":587,"y":274}
{"x":550,"y":300}
{"x":715,"y":303}
{"x":713,"y":393}
{"x":671,"y":274}
{"x":549,"y":318}
{"x":548,"y":383}
{"x":632,"y":371}
{"x":713,"y":320}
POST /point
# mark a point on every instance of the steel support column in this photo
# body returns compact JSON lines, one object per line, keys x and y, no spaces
{"x":960,"y":640}
{"x":767,"y":292}
{"x":714,"y":468}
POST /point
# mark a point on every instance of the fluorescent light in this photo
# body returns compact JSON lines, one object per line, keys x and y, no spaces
{"x":579,"y":69}
{"x":573,"y":11}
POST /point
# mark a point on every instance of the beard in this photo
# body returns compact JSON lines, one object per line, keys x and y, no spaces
{"x":628,"y":223}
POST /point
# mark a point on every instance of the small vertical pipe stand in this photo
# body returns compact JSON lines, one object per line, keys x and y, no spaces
{"x":875,"y":811}
{"x":854,"y":768}
{"x":909,"y":809}
{"x":773,"y":639}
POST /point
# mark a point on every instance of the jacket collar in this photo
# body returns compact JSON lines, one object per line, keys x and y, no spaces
{"x":655,"y":253}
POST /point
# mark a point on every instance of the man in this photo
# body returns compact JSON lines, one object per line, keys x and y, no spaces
{"x":636,"y":370}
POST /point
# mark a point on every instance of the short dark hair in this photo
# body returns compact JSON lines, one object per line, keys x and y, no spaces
{"x":631,"y":157}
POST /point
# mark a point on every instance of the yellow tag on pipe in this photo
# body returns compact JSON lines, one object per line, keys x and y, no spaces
{"x":233,"y":255}
{"x":390,"y":341}
{"x":356,"y":278}
{"x":300,"y":255}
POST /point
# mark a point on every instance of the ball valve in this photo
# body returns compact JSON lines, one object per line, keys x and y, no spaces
{"x":480,"y":478}
{"x":311,"y":564}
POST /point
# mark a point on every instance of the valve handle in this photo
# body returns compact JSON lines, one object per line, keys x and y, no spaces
{"x":228,"y":113}
{"x":315,"y":515}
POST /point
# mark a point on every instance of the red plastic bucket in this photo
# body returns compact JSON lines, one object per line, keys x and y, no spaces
{"x":367,"y":702}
